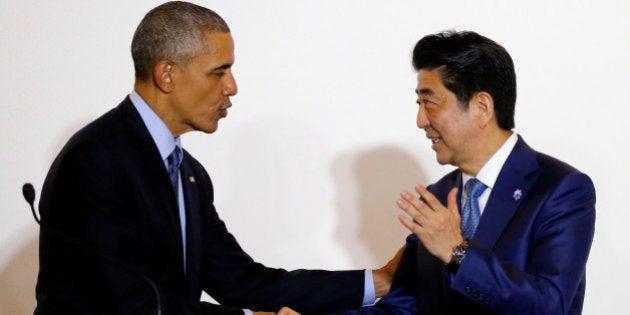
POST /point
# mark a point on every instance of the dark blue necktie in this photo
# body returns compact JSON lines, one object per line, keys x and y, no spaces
{"x":173,"y":162}
{"x":471,"y":212}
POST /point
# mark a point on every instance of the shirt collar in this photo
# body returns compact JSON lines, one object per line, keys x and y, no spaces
{"x":160,"y":133}
{"x":490,"y":171}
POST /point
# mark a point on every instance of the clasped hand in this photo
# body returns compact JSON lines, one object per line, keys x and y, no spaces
{"x":437,"y":226}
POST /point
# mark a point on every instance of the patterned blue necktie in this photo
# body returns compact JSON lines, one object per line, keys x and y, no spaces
{"x":173,"y":162}
{"x":471,"y":212}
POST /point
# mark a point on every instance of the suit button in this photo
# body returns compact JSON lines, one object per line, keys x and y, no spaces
{"x":474,"y":293}
{"x":469,"y":290}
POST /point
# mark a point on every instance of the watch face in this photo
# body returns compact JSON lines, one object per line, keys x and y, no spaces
{"x":460,"y":252}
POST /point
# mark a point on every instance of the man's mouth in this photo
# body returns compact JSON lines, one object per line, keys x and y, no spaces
{"x":434,"y":140}
{"x":223,"y":112}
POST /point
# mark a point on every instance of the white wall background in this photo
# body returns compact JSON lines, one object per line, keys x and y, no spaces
{"x":322,"y":134}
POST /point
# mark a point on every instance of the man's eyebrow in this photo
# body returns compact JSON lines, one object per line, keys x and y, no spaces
{"x":223,"y":67}
{"x":425,"y":91}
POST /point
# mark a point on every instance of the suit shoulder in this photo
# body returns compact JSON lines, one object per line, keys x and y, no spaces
{"x":560,"y":180}
{"x":101,"y":129}
{"x":118,"y":129}
{"x":555,"y":168}
{"x":99,"y":141}
{"x":551,"y":163}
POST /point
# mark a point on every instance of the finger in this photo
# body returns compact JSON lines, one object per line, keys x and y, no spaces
{"x":410,"y":225}
{"x":416,"y":203}
{"x":428,"y":198}
{"x":451,"y":202}
{"x":417,"y":216}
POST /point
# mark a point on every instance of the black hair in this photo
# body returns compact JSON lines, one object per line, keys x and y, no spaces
{"x":471,"y":63}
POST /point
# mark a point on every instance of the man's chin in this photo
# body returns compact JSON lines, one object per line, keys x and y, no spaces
{"x":208,"y":129}
{"x":442,"y":160}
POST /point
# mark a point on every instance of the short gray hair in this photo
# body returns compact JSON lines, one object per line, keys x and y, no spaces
{"x":174,"y":31}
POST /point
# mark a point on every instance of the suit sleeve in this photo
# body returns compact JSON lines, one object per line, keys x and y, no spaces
{"x":233,"y":278}
{"x":555,"y":260}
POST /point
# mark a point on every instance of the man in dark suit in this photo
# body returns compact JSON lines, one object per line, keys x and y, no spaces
{"x":124,"y":205}
{"x":522,"y":239}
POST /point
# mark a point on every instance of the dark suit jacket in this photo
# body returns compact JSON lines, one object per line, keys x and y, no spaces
{"x":109,"y":190}
{"x":528,"y":255}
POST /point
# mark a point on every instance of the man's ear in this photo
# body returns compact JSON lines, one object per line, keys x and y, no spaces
{"x":162,"y":76}
{"x":483,"y":106}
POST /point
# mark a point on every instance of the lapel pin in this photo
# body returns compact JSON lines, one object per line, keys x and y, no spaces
{"x":517,"y":194}
{"x":191,"y":179}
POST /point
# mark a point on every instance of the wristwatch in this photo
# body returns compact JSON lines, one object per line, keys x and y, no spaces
{"x":459,"y":253}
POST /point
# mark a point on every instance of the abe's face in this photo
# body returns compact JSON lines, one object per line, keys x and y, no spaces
{"x":202,"y":88}
{"x":446,"y":123}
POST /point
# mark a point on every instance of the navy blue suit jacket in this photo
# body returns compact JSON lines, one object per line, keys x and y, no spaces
{"x":109,"y":189}
{"x":528,"y":255}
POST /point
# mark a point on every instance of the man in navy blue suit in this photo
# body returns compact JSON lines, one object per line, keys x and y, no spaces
{"x":518,"y":242}
{"x":123,"y":188}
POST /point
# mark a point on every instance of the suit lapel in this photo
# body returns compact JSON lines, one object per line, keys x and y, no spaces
{"x":152,"y":168}
{"x":509,"y":191}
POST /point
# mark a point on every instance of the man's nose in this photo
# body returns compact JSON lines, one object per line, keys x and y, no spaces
{"x":421,"y":120}
{"x":230,"y":88}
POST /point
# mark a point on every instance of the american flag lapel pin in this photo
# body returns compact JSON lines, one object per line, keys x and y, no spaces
{"x":191,"y":179}
{"x":517,"y":194}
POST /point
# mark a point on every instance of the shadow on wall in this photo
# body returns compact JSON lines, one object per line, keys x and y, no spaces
{"x":368,"y":184}
{"x":18,"y":278}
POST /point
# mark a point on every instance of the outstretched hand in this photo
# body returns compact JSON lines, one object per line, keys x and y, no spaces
{"x":437,"y":226}
{"x":383,"y":276}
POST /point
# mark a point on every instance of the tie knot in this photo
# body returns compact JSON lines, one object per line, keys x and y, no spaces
{"x":474,"y":188}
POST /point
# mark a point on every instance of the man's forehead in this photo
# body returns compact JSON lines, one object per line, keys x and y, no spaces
{"x":429,"y":81}
{"x":218,"y":41}
{"x":218,"y":47}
